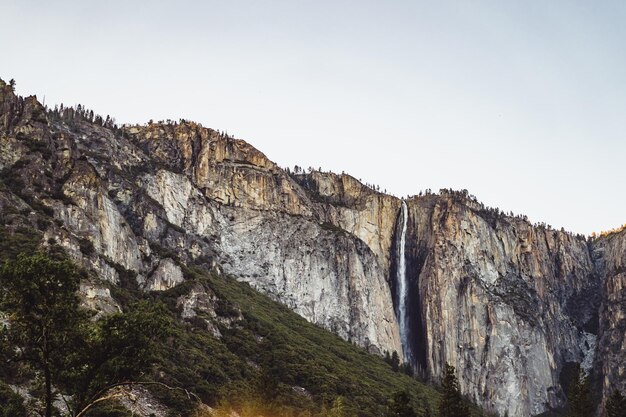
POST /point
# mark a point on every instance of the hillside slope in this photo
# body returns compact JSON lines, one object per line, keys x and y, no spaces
{"x":507,"y":303}
{"x":234,"y":347}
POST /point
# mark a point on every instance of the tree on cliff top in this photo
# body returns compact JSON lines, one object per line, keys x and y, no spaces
{"x":451,"y":403}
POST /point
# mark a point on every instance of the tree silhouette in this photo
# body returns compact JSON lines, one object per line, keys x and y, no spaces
{"x":579,"y":395}
{"x":40,"y":292}
{"x":395,"y":361}
{"x":451,"y":403}
{"x":400,"y":405}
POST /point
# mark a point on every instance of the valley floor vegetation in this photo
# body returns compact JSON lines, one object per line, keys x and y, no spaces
{"x":61,"y":359}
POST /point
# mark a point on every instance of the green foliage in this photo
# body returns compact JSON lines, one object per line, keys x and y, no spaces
{"x":267,"y":360}
{"x":11,"y":404}
{"x":49,"y":331}
{"x":127,"y":290}
{"x":400,"y":405}
{"x":616,"y":405}
{"x":451,"y":403}
{"x":13,"y":179}
{"x":339,"y":408}
{"x":118,"y":348}
{"x":40,"y":294}
{"x":326,"y":366}
{"x":395,"y":361}
{"x":579,"y":399}
{"x":21,"y":240}
{"x":269,"y":357}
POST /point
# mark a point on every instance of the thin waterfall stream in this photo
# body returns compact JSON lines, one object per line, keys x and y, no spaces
{"x":403,"y":289}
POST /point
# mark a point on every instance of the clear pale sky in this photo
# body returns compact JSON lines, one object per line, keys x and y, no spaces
{"x":523,"y":103}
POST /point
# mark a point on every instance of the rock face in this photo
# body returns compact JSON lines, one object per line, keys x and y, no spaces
{"x":508,"y":304}
{"x":494,"y":298}
{"x":610,"y":255}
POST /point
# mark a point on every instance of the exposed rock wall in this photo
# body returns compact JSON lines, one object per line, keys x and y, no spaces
{"x":506,"y":303}
{"x":493,"y":295}
{"x":132,"y":204}
{"x":355,"y":208}
{"x":264,"y":228}
{"x":610,"y":256}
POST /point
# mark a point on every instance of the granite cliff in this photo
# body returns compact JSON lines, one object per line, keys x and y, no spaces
{"x":509,"y":304}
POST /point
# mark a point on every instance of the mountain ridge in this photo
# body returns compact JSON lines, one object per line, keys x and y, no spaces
{"x":495,"y":296}
{"x":191,"y":125}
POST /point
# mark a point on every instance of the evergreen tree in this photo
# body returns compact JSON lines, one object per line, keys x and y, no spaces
{"x":579,"y":395}
{"x":400,"y":405}
{"x":49,"y":331}
{"x":451,"y":403}
{"x":338,"y":409}
{"x":40,"y":294}
{"x":118,"y":349}
{"x":616,"y":405}
{"x":407,"y":369}
{"x":395,"y":361}
{"x":11,"y":404}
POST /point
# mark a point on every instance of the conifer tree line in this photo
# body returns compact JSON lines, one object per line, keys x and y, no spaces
{"x":72,"y":114}
{"x":462,"y":196}
{"x":580,"y":401}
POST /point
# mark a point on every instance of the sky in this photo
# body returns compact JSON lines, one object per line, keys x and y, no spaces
{"x":523,"y":103}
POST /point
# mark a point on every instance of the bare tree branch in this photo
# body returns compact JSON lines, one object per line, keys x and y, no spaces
{"x":101,"y":395}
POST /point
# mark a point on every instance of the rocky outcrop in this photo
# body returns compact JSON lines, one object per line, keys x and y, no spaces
{"x":610,"y":257}
{"x":225,"y":170}
{"x":134,"y":203}
{"x":507,"y":303}
{"x":494,"y":300}
{"x":167,"y":275}
{"x":348,"y":204}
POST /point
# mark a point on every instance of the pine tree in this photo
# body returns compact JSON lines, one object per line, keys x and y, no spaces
{"x":407,"y":369}
{"x":11,"y":404}
{"x":579,"y":395}
{"x":616,"y":405}
{"x":400,"y":405}
{"x":451,"y":403}
{"x":395,"y":361}
{"x":41,"y":294}
{"x":49,"y":331}
{"x":339,"y":408}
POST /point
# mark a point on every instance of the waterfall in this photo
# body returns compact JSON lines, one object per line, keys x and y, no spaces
{"x":402,"y":289}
